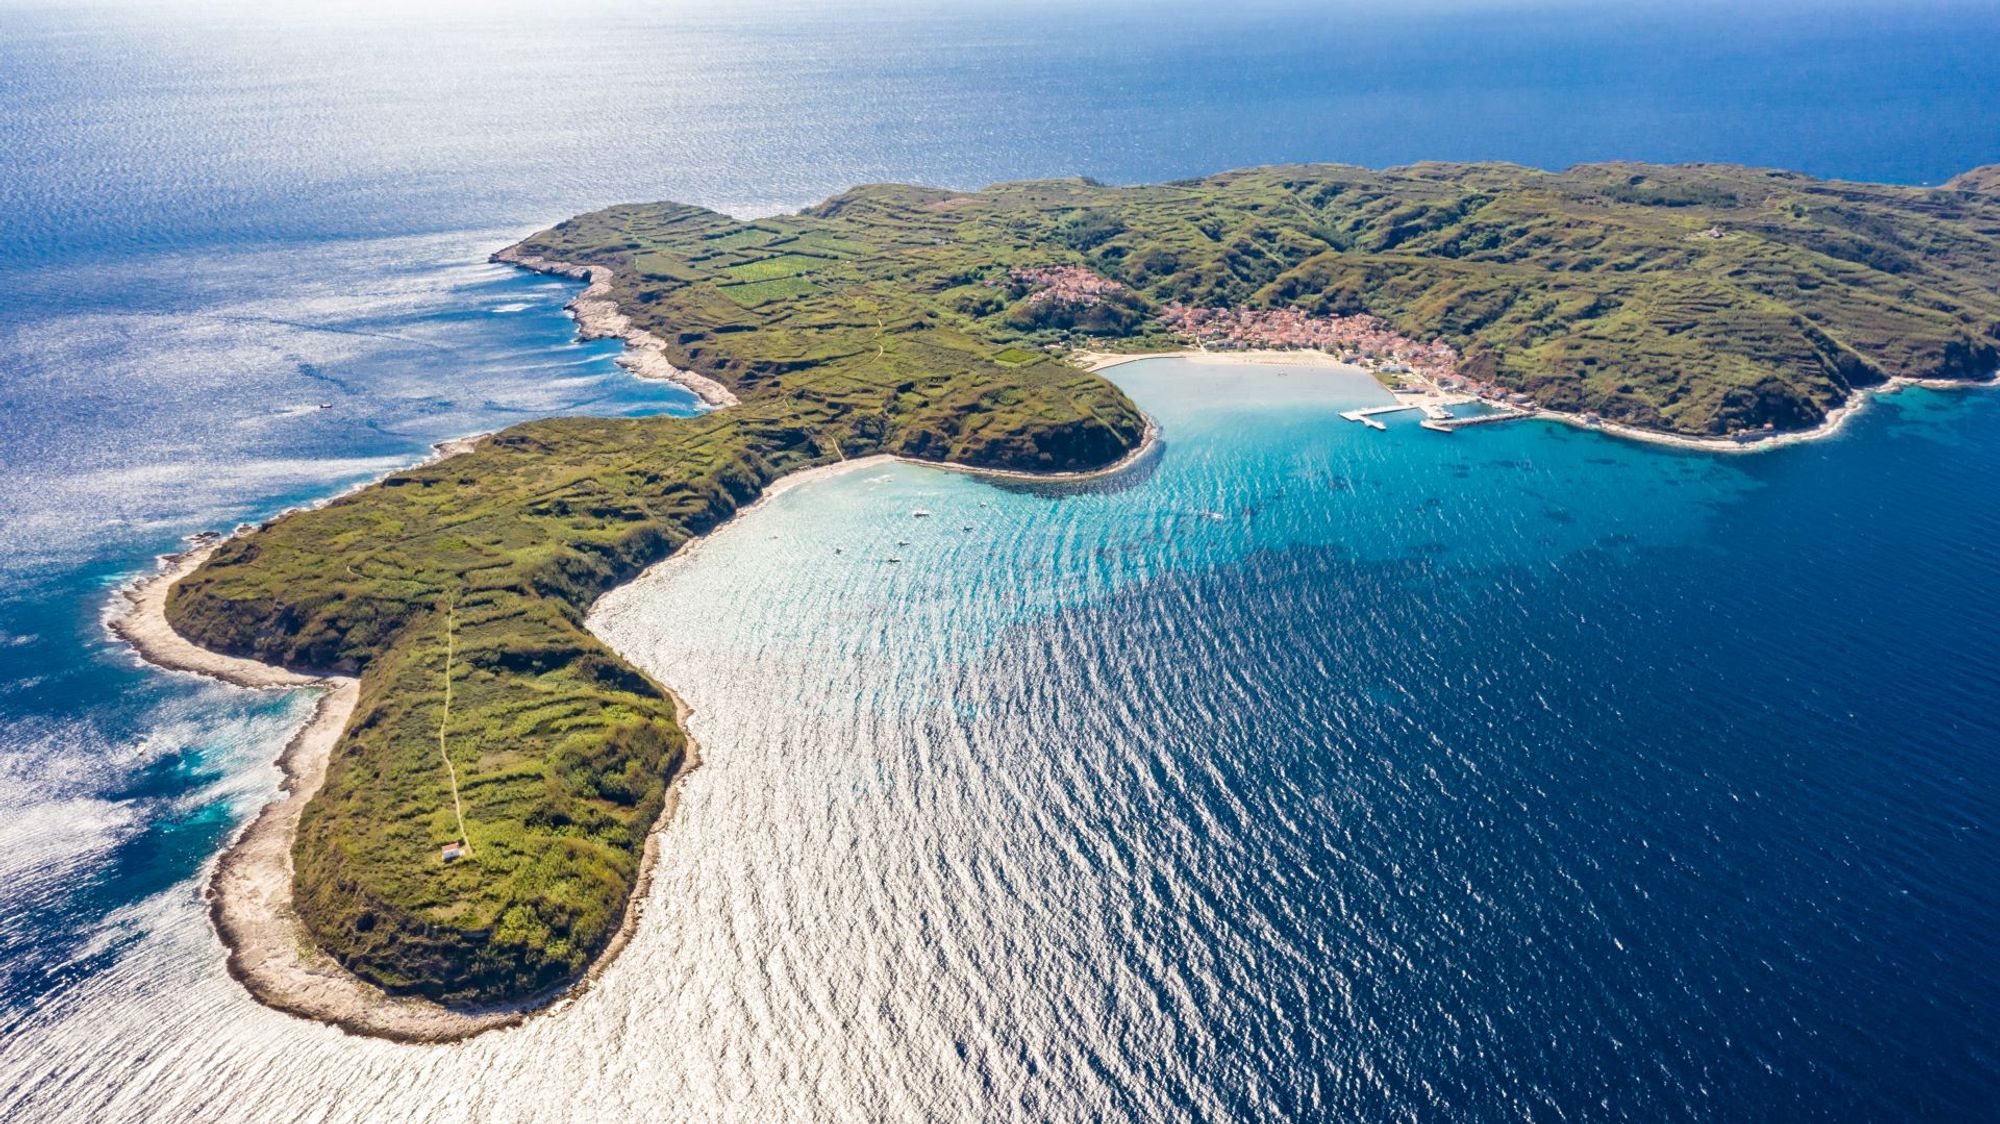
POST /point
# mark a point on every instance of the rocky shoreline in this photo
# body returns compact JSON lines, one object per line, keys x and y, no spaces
{"x":1836,"y":420}
{"x":250,"y":890}
{"x":249,"y":893}
{"x":599,"y":317}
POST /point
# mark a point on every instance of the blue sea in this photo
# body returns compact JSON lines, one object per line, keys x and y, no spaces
{"x":1303,"y":771}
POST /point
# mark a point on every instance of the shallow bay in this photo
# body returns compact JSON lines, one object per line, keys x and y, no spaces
{"x":1306,"y":770}
{"x":1303,"y":769}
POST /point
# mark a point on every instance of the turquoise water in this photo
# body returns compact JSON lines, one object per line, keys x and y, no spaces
{"x":1305,"y":770}
{"x":1313,"y":771}
{"x":1301,"y":771}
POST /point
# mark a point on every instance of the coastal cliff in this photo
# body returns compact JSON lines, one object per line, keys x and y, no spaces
{"x":926,"y":323}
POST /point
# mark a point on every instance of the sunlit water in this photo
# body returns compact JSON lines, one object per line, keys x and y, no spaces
{"x":1304,"y":771}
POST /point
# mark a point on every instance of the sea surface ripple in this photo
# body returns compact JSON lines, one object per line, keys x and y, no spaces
{"x":1303,"y":772}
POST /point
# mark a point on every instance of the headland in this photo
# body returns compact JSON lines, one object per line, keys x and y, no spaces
{"x":1695,"y":304}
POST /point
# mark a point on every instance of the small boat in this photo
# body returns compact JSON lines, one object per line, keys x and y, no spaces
{"x":326,"y":405}
{"x":920,"y":513}
{"x":893,"y":558}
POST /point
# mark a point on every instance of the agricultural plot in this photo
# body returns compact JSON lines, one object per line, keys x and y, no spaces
{"x":756,"y":293}
{"x":1016,"y":356}
{"x":769,"y":269}
{"x":748,"y":238}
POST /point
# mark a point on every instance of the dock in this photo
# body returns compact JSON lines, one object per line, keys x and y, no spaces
{"x":1367,"y":417}
{"x":1437,"y":415}
{"x":1449,"y":424}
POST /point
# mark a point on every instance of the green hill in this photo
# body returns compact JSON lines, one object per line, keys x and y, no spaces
{"x":911,"y":320}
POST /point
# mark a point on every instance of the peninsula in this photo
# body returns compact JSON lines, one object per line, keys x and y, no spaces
{"x":480,"y":829}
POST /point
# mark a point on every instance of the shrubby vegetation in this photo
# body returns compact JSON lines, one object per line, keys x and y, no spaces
{"x":1691,"y":298}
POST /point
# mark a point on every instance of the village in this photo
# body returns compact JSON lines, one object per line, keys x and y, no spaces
{"x":1423,"y":376}
{"x":1067,"y":284}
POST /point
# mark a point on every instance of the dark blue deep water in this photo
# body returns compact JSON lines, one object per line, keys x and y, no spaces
{"x":1307,"y":772}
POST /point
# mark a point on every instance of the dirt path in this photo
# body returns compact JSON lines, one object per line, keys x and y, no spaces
{"x":451,"y":772}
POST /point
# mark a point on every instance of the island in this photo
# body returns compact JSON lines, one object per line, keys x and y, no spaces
{"x":471,"y":812}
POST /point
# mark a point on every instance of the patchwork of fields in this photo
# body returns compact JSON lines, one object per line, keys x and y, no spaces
{"x":894,"y":319}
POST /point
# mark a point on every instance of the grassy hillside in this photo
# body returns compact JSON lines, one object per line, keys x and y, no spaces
{"x":562,"y":750}
{"x":1695,"y":299}
{"x":914,"y":320}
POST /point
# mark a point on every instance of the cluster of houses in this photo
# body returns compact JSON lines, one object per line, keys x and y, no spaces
{"x":1492,"y":392}
{"x":1362,"y":338}
{"x":1068,"y":284}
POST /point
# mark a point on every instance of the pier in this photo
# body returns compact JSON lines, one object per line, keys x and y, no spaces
{"x":1437,"y":415}
{"x":1449,"y":424}
{"x":1367,"y":417}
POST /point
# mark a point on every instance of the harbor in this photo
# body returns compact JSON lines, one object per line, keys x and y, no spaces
{"x":1367,"y":417}
{"x":1448,"y":423}
{"x":1438,"y":416}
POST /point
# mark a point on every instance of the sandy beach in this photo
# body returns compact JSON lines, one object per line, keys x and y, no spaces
{"x":1835,"y":420}
{"x":1270,"y":356}
{"x":598,"y":317}
{"x":786,"y":483}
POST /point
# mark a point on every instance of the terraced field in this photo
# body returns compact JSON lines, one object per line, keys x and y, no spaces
{"x":772,"y":268}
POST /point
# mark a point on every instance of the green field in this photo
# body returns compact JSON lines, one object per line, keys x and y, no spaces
{"x":1599,"y":288}
{"x":748,"y":238}
{"x":1015,"y":356}
{"x":827,"y":245}
{"x":755,"y":293}
{"x":664,"y":267}
{"x":772,"y":268}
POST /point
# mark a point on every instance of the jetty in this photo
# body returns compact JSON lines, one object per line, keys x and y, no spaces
{"x":1367,"y":417}
{"x":1438,"y":415}
{"x":1449,"y":424}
